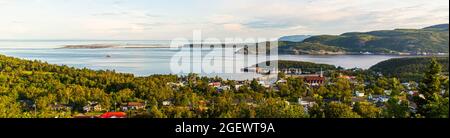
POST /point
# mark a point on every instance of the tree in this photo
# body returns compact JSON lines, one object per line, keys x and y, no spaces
{"x":255,"y":86}
{"x":438,"y":108}
{"x":9,"y":108}
{"x":297,"y":88}
{"x":339,"y":110}
{"x":156,"y":113}
{"x":396,"y":87}
{"x":431,"y":83}
{"x":367,"y":110}
{"x":343,"y":90}
{"x":324,"y":92}
{"x":26,"y":83}
{"x":277,"y":108}
{"x":281,"y":75}
{"x":446,"y":86}
{"x":430,"y":87}
{"x":396,"y":108}
{"x":382,"y":82}
{"x":124,"y":96}
{"x":316,"y":111}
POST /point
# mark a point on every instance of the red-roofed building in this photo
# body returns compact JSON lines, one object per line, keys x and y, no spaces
{"x":352,"y":79}
{"x":215,"y":84}
{"x":114,"y":115}
{"x":315,"y":80}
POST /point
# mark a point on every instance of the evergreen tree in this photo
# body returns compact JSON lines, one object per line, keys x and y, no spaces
{"x":432,"y":104}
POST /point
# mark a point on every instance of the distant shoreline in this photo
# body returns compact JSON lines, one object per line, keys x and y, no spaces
{"x":103,"y":46}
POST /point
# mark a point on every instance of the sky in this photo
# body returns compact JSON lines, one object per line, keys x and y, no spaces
{"x":169,"y":19}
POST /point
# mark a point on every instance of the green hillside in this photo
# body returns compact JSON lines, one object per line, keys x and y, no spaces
{"x":309,"y":48}
{"x":408,"y":68}
{"x":433,"y":39}
{"x":304,"y":66}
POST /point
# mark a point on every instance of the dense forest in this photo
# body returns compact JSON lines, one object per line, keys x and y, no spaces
{"x":34,"y":89}
{"x":308,"y":48}
{"x":433,"y":39}
{"x":408,"y":69}
{"x":304,"y":66}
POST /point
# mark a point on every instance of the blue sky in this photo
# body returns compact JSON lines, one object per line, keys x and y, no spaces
{"x":168,"y":19}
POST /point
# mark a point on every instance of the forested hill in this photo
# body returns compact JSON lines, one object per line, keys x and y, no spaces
{"x":24,"y":83}
{"x":408,"y":68}
{"x":304,"y":66}
{"x":433,"y":39}
{"x":33,"y":89}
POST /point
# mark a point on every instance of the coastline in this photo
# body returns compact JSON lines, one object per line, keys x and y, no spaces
{"x":102,"y":46}
{"x":240,"y":50}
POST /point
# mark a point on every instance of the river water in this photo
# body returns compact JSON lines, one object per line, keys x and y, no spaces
{"x":147,"y":61}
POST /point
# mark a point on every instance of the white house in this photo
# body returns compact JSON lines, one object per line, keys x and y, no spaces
{"x":306,"y":101}
{"x":167,"y":103}
{"x":359,"y":94}
{"x":387,"y":92}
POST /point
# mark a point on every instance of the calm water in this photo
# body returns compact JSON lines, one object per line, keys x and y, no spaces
{"x":148,"y":61}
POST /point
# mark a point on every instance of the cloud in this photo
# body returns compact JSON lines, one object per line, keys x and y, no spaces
{"x":109,"y":14}
{"x":222,"y":18}
{"x":4,"y":2}
{"x":130,"y":14}
{"x":268,"y":24}
{"x":233,"y":27}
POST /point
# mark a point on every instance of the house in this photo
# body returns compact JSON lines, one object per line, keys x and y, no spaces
{"x":60,"y":107}
{"x":413,"y":107}
{"x":167,"y":103}
{"x":366,"y":53}
{"x":387,"y":92}
{"x":357,"y":100}
{"x":114,"y":115}
{"x":292,"y":71}
{"x":28,"y":104}
{"x":346,"y":77}
{"x":359,"y":94}
{"x":314,"y":80}
{"x":352,"y":79}
{"x":237,"y":86}
{"x":92,"y":106}
{"x":378,"y":98}
{"x":223,"y":88}
{"x":202,"y":105}
{"x":407,"y":85}
{"x":173,"y":84}
{"x":215,"y":84}
{"x":133,"y":106}
{"x":241,"y":82}
{"x":281,"y":81}
{"x":264,"y":84}
{"x":412,"y":93}
{"x":306,"y":101}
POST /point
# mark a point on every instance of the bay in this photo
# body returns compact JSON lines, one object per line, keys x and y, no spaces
{"x":149,"y":61}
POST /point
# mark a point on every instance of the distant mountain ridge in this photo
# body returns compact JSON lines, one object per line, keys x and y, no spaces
{"x":432,"y":39}
{"x":439,"y":26}
{"x":294,"y":38}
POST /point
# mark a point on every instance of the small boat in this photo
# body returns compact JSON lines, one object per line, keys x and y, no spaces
{"x":108,"y":56}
